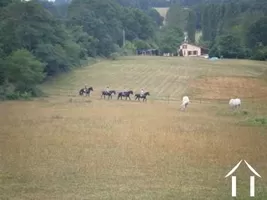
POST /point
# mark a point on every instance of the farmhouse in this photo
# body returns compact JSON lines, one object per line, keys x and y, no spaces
{"x":187,"y":49}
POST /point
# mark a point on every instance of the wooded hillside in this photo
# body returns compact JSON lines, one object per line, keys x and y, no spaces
{"x":39,"y":39}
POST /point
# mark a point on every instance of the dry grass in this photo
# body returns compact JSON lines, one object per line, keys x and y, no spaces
{"x":88,"y":148}
{"x":227,"y":87}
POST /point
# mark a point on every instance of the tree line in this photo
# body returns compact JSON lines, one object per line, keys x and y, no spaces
{"x":230,"y":28}
{"x":236,"y":29}
{"x":39,"y":39}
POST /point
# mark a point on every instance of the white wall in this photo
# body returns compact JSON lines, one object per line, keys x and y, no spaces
{"x":190,"y":48}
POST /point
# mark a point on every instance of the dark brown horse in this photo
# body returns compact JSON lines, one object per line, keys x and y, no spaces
{"x":125,"y":94}
{"x":86,"y":91}
{"x":139,"y":96}
{"x":109,"y":94}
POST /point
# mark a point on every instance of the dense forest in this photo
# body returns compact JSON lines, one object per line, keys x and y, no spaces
{"x":236,"y":29}
{"x":39,"y":39}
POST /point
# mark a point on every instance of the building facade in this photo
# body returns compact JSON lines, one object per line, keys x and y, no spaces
{"x":186,"y":49}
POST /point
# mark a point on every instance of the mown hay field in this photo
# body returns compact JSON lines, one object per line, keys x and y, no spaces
{"x":70,"y":147}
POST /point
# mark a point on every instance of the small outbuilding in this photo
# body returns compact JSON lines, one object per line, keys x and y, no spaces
{"x":150,"y":52}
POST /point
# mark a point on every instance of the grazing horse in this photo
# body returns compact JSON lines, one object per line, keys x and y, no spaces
{"x":125,"y":94}
{"x":138,"y":96}
{"x":185,"y":102}
{"x":109,"y":94}
{"x":86,"y":91}
{"x":235,"y":103}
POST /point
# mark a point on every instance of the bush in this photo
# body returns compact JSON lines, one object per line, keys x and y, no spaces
{"x":5,"y":90}
{"x":114,"y":56}
{"x":257,"y":121}
{"x":10,"y":92}
{"x":25,"y":95}
{"x":13,"y":96}
{"x":19,"y":95}
{"x":228,"y":46}
{"x":128,"y":49}
{"x":260,"y":54}
{"x":35,"y":92}
{"x":117,"y":48}
{"x":213,"y":52}
{"x":140,"y":44}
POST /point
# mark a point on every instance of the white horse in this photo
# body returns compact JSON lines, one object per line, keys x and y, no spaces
{"x":235,"y":103}
{"x":185,"y":102}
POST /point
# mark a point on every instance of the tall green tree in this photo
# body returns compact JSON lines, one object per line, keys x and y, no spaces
{"x":170,"y":38}
{"x":99,"y":19}
{"x":228,"y":46}
{"x":205,"y":23}
{"x":137,"y":24}
{"x":24,"y":70}
{"x":257,"y":33}
{"x":176,"y":16}
{"x":191,"y":26}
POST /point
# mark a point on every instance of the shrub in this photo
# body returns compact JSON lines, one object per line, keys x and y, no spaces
{"x":25,"y":95}
{"x":260,"y":54}
{"x":256,"y":121}
{"x":13,"y":96}
{"x":128,"y":49}
{"x":9,"y":92}
{"x":114,"y":56}
{"x":19,"y":95}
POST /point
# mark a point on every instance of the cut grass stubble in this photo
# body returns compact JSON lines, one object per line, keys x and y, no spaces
{"x":60,"y":149}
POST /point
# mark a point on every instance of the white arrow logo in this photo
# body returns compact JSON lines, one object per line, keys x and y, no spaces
{"x":252,"y":179}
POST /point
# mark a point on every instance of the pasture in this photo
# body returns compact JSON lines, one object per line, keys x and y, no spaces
{"x":67,"y":146}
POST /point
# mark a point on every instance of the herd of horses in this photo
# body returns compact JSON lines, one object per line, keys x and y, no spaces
{"x":109,"y":94}
{"x":233,"y":103}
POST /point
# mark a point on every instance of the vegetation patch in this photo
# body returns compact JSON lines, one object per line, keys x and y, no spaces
{"x":255,"y":121}
{"x":228,"y":112}
{"x":114,"y":56}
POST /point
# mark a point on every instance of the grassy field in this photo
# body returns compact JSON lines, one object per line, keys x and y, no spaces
{"x":71,"y":147}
